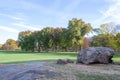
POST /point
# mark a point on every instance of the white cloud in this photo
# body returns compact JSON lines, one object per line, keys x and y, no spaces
{"x":112,"y":14}
{"x":26,"y":26}
{"x":9,"y":29}
{"x":16,"y":18}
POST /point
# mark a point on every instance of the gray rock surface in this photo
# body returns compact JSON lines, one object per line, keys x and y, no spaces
{"x":64,"y":61}
{"x":25,"y":71}
{"x":95,"y":55}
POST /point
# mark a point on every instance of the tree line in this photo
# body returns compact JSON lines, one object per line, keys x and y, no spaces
{"x":55,"y":39}
{"x":71,"y":38}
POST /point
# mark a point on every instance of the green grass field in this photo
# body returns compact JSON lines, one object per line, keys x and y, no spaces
{"x":19,"y":56}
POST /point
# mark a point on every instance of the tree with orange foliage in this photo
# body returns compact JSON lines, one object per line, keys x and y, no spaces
{"x":85,"y":43}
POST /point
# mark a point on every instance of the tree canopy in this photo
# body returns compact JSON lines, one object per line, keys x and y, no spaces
{"x":55,"y":39}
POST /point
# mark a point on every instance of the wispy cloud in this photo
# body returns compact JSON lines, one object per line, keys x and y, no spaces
{"x":26,"y":26}
{"x":12,"y":17}
{"x":7,"y":29}
{"x":28,"y":5}
{"x":112,"y":14}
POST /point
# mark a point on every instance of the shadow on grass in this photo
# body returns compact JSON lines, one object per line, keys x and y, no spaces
{"x":17,"y":62}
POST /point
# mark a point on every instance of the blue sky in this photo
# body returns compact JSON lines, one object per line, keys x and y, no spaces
{"x":21,"y":15}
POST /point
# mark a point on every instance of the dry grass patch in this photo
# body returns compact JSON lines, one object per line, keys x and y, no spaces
{"x":86,"y":72}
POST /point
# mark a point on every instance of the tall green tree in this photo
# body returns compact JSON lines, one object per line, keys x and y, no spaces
{"x":77,"y":30}
{"x":64,"y":39}
{"x":26,"y":40}
{"x":56,"y":37}
{"x":47,"y":35}
{"x":39,"y":39}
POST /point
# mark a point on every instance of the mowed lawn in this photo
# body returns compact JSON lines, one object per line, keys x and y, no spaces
{"x":19,"y":56}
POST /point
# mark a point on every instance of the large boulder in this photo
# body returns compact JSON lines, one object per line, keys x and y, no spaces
{"x":95,"y":55}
